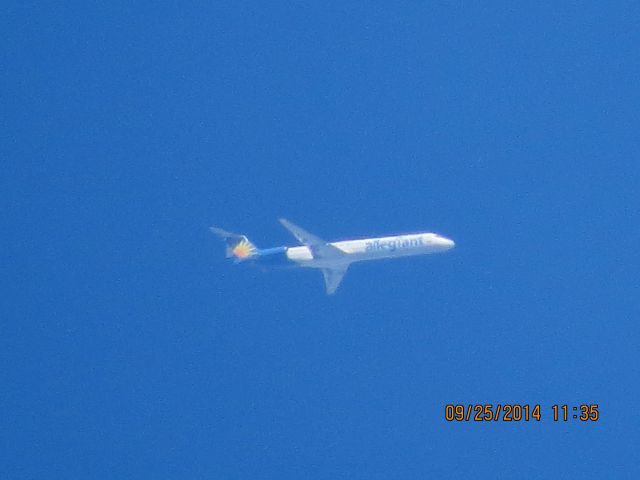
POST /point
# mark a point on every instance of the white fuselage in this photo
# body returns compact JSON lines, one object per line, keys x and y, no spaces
{"x":374,"y":249}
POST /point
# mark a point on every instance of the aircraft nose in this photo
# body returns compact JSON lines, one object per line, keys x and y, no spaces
{"x":447,"y":243}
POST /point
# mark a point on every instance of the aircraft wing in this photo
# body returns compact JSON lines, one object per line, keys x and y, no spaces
{"x":322,"y":250}
{"x":333,"y":277}
{"x":319,"y":248}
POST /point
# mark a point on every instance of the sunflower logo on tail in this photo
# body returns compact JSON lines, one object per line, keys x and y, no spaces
{"x":244,"y":249}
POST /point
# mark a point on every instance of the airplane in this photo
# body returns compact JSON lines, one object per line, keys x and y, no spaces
{"x":332,"y":258}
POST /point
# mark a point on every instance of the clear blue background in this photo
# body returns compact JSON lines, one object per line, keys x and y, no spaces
{"x":131,"y":349}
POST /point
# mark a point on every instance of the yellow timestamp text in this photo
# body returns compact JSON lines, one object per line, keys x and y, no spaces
{"x":519,"y":412}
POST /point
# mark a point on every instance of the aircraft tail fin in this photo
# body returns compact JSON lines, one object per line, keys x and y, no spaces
{"x":239,"y":247}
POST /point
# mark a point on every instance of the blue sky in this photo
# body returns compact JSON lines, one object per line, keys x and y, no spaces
{"x":131,"y":349}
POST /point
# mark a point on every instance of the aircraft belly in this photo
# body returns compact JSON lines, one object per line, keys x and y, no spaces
{"x":380,"y":254}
